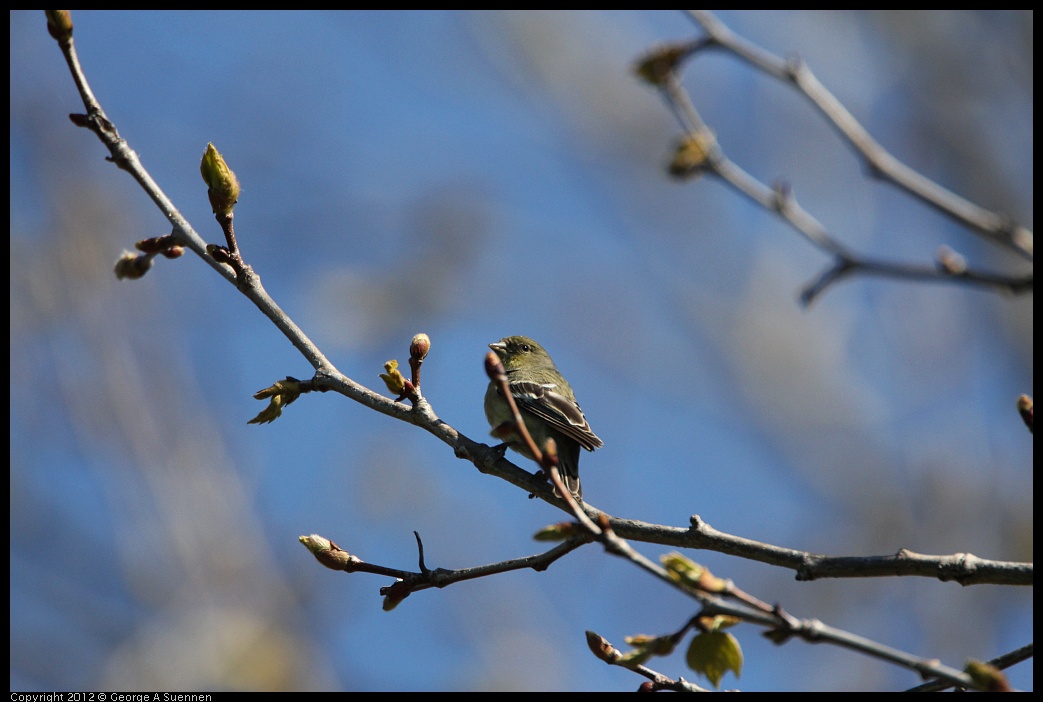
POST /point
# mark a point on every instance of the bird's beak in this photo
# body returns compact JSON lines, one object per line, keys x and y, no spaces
{"x":499,"y":347}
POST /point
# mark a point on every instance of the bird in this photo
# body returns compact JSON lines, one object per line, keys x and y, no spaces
{"x":547,"y":405}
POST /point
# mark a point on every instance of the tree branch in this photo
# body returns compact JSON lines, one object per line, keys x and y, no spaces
{"x":699,"y":152}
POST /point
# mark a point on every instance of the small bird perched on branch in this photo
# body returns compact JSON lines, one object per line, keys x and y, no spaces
{"x":547,"y":404}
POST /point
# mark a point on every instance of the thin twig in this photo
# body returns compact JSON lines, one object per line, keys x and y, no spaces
{"x":662,"y":68}
{"x":879,"y":161}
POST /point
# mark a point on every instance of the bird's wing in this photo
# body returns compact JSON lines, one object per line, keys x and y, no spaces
{"x":560,"y":412}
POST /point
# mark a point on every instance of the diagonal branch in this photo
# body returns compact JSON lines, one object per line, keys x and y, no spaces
{"x":881,"y":163}
{"x":699,"y":152}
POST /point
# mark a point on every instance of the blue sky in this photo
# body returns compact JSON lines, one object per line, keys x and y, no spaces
{"x":472,"y":176}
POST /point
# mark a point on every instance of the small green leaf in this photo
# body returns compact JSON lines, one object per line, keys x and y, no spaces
{"x":712,"y":654}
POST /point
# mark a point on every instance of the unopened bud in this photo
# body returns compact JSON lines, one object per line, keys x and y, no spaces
{"x":693,"y":154}
{"x":988,"y":677}
{"x":420,"y":347}
{"x":59,"y":24}
{"x":221,"y":181}
{"x":326,"y":552}
{"x":219,"y":253}
{"x":657,"y":65}
{"x":601,"y":648}
{"x":951,"y":262}
{"x":556,"y":532}
{"x":132,"y":266}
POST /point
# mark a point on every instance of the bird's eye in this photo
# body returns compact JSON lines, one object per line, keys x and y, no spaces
{"x":525,"y":348}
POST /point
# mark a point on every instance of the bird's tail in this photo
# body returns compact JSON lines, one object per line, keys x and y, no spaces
{"x":568,"y":467}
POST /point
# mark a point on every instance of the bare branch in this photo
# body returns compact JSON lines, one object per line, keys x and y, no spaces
{"x":700,"y":152}
{"x":879,"y":161}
